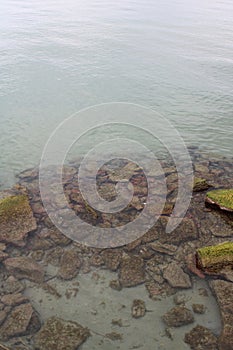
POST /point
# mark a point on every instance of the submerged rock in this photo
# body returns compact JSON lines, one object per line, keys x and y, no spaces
{"x":138,"y":308}
{"x":14,"y":299}
{"x":178,"y":316}
{"x":112,"y":258}
{"x":70,"y":265}
{"x":187,"y":230}
{"x":11,"y":285}
{"x":201,"y":338}
{"x":25,"y":267}
{"x":199,"y":308}
{"x":58,"y":334}
{"x":132,"y":271}
{"x":22,"y":320}
{"x":168,"y":249}
{"x":176,"y":277}
{"x":223,"y":291}
{"x":222,"y":199}
{"x":200,"y":184}
{"x":16,"y":218}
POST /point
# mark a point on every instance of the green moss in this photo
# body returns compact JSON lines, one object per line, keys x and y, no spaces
{"x":214,"y":259}
{"x":223,"y":198}
{"x":13,"y":206}
{"x":199,"y":181}
{"x":220,"y":250}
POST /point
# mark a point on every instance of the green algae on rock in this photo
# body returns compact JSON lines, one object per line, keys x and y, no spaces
{"x":16,"y":218}
{"x":213,"y":259}
{"x":13,"y":206}
{"x":200,"y":184}
{"x":222,"y":198}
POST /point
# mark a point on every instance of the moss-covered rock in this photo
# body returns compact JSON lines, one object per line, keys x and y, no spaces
{"x":16,"y":218}
{"x":214,"y":259}
{"x":222,"y":198}
{"x":13,"y":206}
{"x":200,"y":184}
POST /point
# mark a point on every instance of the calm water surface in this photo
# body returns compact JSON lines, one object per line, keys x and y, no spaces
{"x":57,"y":57}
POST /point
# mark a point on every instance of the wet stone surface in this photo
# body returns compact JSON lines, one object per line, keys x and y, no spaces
{"x":34,"y":252}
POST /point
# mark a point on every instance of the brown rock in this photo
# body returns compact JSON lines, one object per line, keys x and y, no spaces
{"x":201,"y":338}
{"x":16,"y":218}
{"x":186,"y":231}
{"x":224,"y":294}
{"x":3,"y":347}
{"x":14,"y":299}
{"x":178,"y":316}
{"x":112,"y":258}
{"x":70,"y":265}
{"x":168,"y":249}
{"x":138,"y":308}
{"x":25,"y":267}
{"x":57,"y":334}
{"x":54,"y":255}
{"x":18,"y":322}
{"x":11,"y":285}
{"x":199,"y":308}
{"x":115,"y":284}
{"x":176,"y":277}
{"x":55,"y":236}
{"x":132,"y":271}
{"x":3,"y":316}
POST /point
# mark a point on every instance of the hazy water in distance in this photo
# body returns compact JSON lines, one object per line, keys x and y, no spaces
{"x":58,"y":57}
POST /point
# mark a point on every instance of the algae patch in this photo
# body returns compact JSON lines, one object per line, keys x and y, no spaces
{"x":13,"y":206}
{"x":16,"y":219}
{"x":215,"y":258}
{"x":222,"y":198}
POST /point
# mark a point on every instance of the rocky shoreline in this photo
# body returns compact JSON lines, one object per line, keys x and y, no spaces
{"x":33,"y":251}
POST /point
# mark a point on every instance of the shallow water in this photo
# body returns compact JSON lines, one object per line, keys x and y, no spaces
{"x":174,"y":56}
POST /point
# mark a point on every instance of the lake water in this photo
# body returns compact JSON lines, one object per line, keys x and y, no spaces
{"x":57,"y":57}
{"x":173,"y":56}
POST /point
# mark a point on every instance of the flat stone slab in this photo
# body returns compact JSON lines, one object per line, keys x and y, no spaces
{"x":16,"y":218}
{"x":70,"y":265}
{"x":25,"y":267}
{"x":176,"y":277}
{"x":18,"y":322}
{"x":58,"y":334}
{"x":224,"y":294}
{"x":131,"y":271}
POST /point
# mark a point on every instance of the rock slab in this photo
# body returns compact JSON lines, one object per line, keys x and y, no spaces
{"x":131,"y":271}
{"x":21,"y":321}
{"x":176,"y":277}
{"x":224,"y":294}
{"x":58,"y":334}
{"x":25,"y":267}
